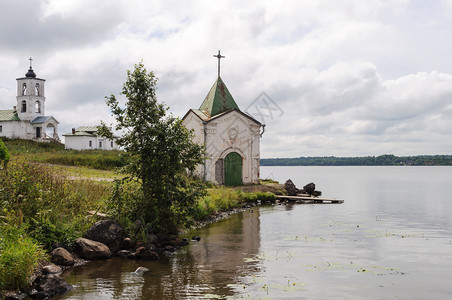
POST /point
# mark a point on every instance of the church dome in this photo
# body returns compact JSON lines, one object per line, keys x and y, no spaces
{"x":30,"y":73}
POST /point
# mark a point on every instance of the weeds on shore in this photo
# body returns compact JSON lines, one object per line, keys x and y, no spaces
{"x":224,"y":198}
{"x":52,"y":153}
{"x":38,"y":207}
{"x":19,"y":257}
{"x":42,"y":204}
{"x":50,"y":206}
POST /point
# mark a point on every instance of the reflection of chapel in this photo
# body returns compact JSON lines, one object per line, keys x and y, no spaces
{"x":27,"y":120}
{"x":231,"y":137}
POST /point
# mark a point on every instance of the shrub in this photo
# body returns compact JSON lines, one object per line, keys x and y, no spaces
{"x":56,"y":154}
{"x":53,"y":206}
{"x":253,"y":197}
{"x":19,"y":258}
{"x":4,"y":155}
{"x":224,"y":198}
{"x":217,"y":199}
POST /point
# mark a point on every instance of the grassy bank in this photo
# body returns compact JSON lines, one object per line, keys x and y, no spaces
{"x":51,"y":153}
{"x":38,"y":207}
{"x":42,"y":203}
{"x":224,"y":198}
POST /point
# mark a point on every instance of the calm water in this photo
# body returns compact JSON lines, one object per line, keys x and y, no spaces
{"x":392,"y":238}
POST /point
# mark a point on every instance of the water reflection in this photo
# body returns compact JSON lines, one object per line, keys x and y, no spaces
{"x":390,"y":239}
{"x":208,"y":268}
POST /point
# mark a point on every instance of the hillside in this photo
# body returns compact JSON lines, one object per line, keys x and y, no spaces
{"x":50,"y":153}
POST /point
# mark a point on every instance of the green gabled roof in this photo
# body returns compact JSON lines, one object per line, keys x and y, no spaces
{"x":8,"y":115}
{"x":79,"y":133}
{"x":218,"y":100}
{"x":88,"y":128}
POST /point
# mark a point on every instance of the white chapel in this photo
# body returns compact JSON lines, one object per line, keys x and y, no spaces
{"x":231,"y":137}
{"x":27,"y":119}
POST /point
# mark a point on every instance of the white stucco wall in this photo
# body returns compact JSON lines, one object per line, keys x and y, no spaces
{"x":30,"y":98}
{"x":77,"y":142}
{"x":194,"y":123}
{"x":232,"y":132}
{"x":9,"y":128}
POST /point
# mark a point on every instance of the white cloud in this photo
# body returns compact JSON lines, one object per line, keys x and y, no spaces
{"x":353,"y":78}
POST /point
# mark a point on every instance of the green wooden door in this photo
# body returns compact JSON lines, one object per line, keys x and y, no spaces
{"x":233,"y":169}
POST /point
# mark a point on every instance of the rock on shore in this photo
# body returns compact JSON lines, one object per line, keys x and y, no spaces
{"x":91,"y":250}
{"x":62,"y":257}
{"x":107,"y":232}
{"x":49,"y":285}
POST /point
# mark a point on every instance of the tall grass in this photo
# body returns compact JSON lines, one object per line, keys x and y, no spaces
{"x":19,"y":257}
{"x":52,"y":153}
{"x":39,"y":206}
{"x":52,"y":207}
{"x":224,"y":198}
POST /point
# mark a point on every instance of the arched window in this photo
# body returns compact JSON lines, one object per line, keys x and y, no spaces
{"x":24,"y":89}
{"x":24,"y":106}
{"x":37,"y":107}
{"x":37,"y":89}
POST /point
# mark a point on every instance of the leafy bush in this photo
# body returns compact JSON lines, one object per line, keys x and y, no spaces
{"x":19,"y":257}
{"x":224,"y":198}
{"x":253,"y":197}
{"x":4,"y":155}
{"x":56,"y":154}
{"x":53,"y":206}
{"x":128,"y":205}
{"x":217,"y":199}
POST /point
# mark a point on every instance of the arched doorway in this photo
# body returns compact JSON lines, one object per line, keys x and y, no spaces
{"x":233,"y":169}
{"x":50,"y":131}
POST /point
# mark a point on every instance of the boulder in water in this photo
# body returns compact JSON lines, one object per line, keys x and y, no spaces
{"x":49,"y":285}
{"x":143,"y":253}
{"x":62,"y":257}
{"x":309,"y":188}
{"x":51,"y":269}
{"x":291,"y":188}
{"x":91,"y":250}
{"x":107,"y":232}
{"x":141,"y":270}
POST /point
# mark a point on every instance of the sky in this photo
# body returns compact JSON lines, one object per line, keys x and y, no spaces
{"x":328,"y":78}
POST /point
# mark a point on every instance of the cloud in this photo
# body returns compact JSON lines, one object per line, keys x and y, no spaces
{"x":354,"y":77}
{"x":55,"y":25}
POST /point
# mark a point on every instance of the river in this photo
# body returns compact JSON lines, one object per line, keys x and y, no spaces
{"x":391,"y":238}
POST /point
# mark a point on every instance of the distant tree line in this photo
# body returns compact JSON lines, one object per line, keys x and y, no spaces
{"x":382,"y":160}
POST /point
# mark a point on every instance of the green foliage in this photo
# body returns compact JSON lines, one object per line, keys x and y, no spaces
{"x":19,"y":257}
{"x":217,"y":199}
{"x":4,"y":155}
{"x":160,"y":151}
{"x":225,"y":198}
{"x":51,"y":153}
{"x":382,"y":160}
{"x":96,"y":159}
{"x":253,"y":197}
{"x":52,"y":207}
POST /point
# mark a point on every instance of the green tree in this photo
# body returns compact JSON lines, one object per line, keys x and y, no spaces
{"x":4,"y":155}
{"x":162,"y":153}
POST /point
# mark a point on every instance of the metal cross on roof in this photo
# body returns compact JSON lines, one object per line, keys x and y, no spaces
{"x":219,"y":57}
{"x":30,"y":59}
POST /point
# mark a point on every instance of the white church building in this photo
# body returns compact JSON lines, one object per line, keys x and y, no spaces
{"x":27,"y":119}
{"x":232,"y":137}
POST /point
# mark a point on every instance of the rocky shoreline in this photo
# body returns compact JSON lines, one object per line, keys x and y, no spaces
{"x":104,"y":240}
{"x":107,"y":238}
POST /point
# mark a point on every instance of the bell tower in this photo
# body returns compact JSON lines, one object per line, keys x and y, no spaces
{"x":30,"y":96}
